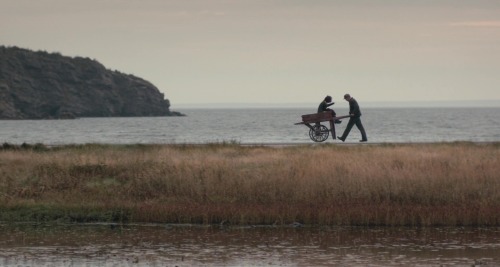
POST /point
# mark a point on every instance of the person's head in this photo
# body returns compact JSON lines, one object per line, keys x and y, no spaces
{"x":328,"y":99}
{"x":347,"y":97}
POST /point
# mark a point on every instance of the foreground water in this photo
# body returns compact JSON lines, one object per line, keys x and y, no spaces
{"x":167,"y":245}
{"x":259,"y":126}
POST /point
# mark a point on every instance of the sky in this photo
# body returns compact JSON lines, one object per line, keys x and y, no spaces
{"x":207,"y":52}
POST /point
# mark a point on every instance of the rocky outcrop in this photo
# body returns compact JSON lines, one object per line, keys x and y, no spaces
{"x":41,"y":85}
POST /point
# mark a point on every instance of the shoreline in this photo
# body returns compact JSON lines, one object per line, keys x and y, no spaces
{"x":252,"y":144}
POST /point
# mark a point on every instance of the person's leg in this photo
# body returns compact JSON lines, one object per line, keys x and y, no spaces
{"x":361,"y":129}
{"x":347,"y":129}
{"x":335,"y":115}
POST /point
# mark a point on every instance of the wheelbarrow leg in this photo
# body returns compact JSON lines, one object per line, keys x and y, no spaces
{"x":332,"y":129}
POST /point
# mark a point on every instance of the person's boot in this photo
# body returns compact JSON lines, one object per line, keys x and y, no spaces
{"x":341,"y":139}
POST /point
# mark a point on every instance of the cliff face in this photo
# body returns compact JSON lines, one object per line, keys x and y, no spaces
{"x":39,"y":85}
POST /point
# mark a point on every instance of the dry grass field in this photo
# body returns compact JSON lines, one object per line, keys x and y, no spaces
{"x":451,"y":184}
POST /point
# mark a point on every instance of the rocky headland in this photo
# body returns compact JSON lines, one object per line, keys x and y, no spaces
{"x":42,"y":85}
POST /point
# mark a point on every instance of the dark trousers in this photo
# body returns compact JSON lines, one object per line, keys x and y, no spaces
{"x":352,"y":121}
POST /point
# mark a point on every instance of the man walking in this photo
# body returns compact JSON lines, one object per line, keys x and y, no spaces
{"x":355,"y":118}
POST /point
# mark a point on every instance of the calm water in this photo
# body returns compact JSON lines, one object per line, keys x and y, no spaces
{"x":260,"y":126}
{"x":162,"y":245}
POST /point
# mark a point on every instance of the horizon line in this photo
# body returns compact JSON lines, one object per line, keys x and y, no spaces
{"x":381,"y":104}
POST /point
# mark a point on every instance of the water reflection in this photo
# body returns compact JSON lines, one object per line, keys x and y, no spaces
{"x":175,"y":245}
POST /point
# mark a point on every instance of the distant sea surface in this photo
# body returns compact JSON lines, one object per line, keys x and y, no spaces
{"x":260,"y":126}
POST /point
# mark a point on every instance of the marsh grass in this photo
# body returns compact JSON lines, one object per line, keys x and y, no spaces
{"x":448,"y":184}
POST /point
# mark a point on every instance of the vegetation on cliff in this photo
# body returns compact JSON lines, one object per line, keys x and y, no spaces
{"x":41,"y":85}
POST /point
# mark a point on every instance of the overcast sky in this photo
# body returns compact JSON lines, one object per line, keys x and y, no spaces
{"x":276,"y":51}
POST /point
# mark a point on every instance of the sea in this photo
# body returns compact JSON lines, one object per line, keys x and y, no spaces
{"x":260,"y":126}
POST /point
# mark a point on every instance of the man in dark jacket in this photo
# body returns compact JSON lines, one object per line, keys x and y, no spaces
{"x":355,"y":118}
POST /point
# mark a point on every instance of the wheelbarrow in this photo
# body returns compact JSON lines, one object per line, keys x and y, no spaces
{"x":317,"y":131}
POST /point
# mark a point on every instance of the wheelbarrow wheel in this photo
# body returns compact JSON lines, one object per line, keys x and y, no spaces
{"x":319,"y":133}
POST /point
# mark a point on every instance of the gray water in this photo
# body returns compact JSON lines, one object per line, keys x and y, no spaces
{"x":259,"y":126}
{"x":166,"y":245}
